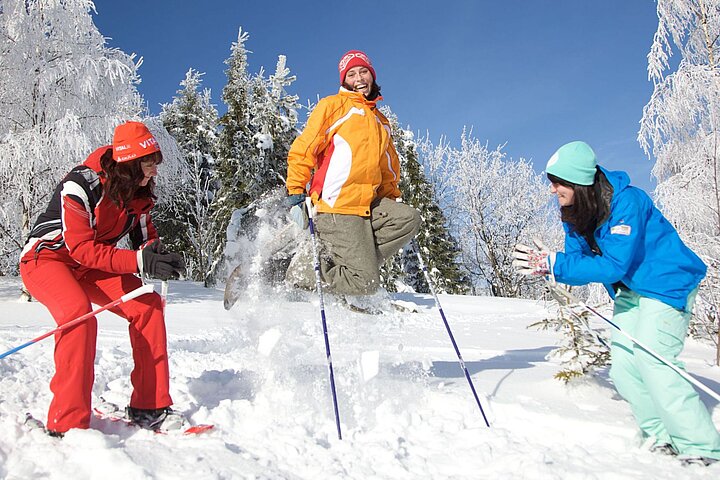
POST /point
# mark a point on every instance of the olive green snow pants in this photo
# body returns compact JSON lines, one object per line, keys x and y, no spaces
{"x":664,"y":404}
{"x":353,"y":247}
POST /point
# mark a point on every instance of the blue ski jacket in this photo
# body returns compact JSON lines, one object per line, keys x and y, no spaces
{"x":640,"y":248}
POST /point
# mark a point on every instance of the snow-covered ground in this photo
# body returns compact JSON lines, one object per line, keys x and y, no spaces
{"x":258,"y":372}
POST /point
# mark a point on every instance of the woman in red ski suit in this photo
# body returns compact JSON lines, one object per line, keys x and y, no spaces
{"x":71,"y":260}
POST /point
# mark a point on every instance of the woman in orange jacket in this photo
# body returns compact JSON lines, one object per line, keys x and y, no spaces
{"x":71,"y":260}
{"x":346,"y":156}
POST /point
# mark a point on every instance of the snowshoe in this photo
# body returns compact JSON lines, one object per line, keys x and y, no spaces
{"x":404,"y":306}
{"x":25,"y":296}
{"x":267,"y":266}
{"x":235,"y":284}
{"x":697,"y":460}
{"x":664,"y":449}
{"x":261,"y":239}
{"x":378,"y":303}
{"x":360,"y":304}
{"x":158,"y":420}
{"x":34,"y":424}
{"x":274,"y":269}
{"x":353,"y":305}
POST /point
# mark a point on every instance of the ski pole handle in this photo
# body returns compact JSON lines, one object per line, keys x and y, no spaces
{"x":128,"y":296}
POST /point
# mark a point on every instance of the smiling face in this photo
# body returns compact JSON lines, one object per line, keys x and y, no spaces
{"x":359,"y":79}
{"x":565,"y":194}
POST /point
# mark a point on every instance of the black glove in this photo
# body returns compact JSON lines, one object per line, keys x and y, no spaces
{"x":158,"y":264}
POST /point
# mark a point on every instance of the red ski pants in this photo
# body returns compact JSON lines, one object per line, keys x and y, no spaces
{"x":68,"y":292}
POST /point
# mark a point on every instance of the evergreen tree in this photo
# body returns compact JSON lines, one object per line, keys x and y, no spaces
{"x":273,"y":117}
{"x":581,"y":350}
{"x":256,"y":134}
{"x":185,"y":223}
{"x":63,"y":92}
{"x":437,"y":246}
{"x":235,"y":139}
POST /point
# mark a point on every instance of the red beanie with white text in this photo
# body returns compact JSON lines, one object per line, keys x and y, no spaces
{"x":354,"y":58}
{"x":133,"y":140}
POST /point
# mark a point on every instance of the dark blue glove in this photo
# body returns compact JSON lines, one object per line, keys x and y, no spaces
{"x":298,"y":210}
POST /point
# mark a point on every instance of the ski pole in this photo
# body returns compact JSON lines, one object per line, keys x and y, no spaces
{"x":163,"y":294}
{"x":318,"y":287}
{"x":647,"y":349}
{"x":562,"y":295}
{"x":128,"y":296}
{"x":447,"y":327}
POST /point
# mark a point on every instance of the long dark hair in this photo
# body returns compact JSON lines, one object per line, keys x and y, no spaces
{"x":123,"y":178}
{"x":590,"y":206}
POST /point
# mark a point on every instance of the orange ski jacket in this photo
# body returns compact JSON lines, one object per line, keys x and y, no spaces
{"x":347,"y":150}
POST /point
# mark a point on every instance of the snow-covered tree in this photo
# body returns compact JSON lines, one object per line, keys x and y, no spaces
{"x":235,"y":140}
{"x":438,"y":248}
{"x":680,"y":129}
{"x":273,"y":121}
{"x":62,"y":93}
{"x":256,"y":134}
{"x":493,"y":203}
{"x":187,"y":225}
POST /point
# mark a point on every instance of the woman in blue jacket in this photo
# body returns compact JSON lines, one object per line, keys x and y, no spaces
{"x":616,"y":236}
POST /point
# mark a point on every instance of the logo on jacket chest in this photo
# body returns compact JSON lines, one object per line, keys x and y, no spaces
{"x":621,"y":230}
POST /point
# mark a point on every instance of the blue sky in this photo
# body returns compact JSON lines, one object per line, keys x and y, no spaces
{"x":533,"y":73}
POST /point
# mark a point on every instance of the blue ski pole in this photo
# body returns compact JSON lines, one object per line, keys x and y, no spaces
{"x":447,"y":327}
{"x":128,"y":296}
{"x":318,"y":286}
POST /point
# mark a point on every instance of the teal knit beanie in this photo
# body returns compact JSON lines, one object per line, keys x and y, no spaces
{"x":574,"y":162}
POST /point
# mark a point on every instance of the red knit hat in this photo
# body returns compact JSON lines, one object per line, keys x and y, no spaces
{"x":354,"y":58}
{"x":133,"y":140}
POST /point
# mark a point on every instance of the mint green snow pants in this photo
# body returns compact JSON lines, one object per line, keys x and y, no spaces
{"x":665,"y":405}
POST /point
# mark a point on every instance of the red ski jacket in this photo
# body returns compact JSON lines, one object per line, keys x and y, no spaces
{"x":81,"y":226}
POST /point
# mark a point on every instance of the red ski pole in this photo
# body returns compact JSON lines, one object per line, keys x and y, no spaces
{"x":128,"y":296}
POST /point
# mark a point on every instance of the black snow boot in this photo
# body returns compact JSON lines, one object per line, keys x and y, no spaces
{"x":159,"y":419}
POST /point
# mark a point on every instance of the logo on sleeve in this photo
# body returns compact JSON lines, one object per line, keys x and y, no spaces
{"x":620,"y":230}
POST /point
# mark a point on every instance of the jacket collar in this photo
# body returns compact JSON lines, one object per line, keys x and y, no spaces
{"x":359,"y":97}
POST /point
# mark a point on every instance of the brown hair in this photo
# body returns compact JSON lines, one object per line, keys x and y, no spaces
{"x":589,"y":208}
{"x":123,"y":178}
